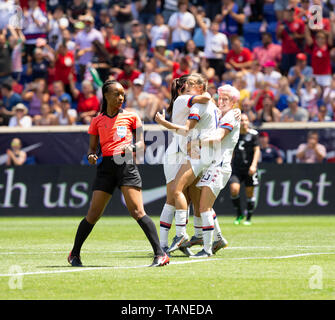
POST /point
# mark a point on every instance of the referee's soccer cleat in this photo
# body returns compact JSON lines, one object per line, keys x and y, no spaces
{"x":177,"y":242}
{"x":160,"y":261}
{"x":193,"y":242}
{"x":220,"y":244}
{"x":202,"y":254}
{"x":186,"y":251}
{"x":74,"y":261}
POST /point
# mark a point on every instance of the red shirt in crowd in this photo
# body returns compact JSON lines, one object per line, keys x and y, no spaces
{"x":177,"y":72}
{"x":115,"y":132}
{"x":320,"y":61}
{"x":259,"y":104}
{"x":109,"y":48}
{"x":289,"y":45}
{"x":64,"y":66}
{"x":88,"y":104}
{"x":244,"y":56}
{"x":123,"y":77}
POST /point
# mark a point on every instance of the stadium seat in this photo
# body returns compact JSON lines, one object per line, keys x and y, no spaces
{"x":251,"y":33}
{"x":269,"y":12}
{"x":272,"y":27}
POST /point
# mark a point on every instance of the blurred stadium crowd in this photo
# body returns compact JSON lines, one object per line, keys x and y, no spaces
{"x":278,"y":53}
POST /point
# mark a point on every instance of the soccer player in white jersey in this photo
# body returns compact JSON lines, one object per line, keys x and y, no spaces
{"x":204,"y":120}
{"x":175,"y":155}
{"x":215,"y":178}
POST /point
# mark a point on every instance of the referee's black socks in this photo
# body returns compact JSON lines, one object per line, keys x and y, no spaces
{"x":84,"y":229}
{"x":150,"y":231}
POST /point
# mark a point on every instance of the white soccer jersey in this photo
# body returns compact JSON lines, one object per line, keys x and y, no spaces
{"x":224,"y":150}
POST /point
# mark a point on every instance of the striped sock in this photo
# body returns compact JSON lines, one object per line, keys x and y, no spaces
{"x":181,"y":216}
{"x":165,"y":224}
{"x":217,"y":229}
{"x":208,"y":230}
{"x":197,"y":222}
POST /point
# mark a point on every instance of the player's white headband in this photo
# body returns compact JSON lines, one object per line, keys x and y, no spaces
{"x":229,"y":90}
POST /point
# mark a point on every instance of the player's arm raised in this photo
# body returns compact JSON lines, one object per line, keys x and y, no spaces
{"x":182,"y":130}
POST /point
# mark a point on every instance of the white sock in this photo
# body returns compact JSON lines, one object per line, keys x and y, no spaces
{"x":217,"y":230}
{"x":181,"y":216}
{"x":208,"y":230}
{"x":197,"y":222}
{"x":165,"y":224}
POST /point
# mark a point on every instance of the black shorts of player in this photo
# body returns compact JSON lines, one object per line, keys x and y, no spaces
{"x":243,"y":176}
{"x":111,"y":174}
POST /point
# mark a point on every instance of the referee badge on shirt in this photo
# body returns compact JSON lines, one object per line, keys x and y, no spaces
{"x":121,"y":131}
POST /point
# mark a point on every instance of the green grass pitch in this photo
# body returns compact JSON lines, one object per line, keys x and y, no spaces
{"x":286,"y":257}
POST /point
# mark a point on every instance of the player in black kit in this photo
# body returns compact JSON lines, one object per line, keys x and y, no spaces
{"x":244,"y":169}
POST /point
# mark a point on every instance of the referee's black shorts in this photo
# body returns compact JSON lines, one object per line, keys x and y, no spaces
{"x":242,"y":176}
{"x":111,"y":174}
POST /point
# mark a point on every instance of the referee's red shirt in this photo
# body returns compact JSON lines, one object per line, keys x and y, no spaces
{"x":115,"y":132}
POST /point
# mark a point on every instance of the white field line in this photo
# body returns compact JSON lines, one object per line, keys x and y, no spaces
{"x":172,"y":263}
{"x":148,"y":250}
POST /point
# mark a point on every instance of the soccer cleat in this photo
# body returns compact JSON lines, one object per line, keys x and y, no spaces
{"x":238,"y":220}
{"x":177,"y":242}
{"x":160,"y":261}
{"x":165,"y":249}
{"x":74,"y":261}
{"x":247,"y":223}
{"x":202,"y":254}
{"x":220,"y":244}
{"x":186,"y":251}
{"x":193,"y":242}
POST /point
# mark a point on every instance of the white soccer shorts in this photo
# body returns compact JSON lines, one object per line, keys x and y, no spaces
{"x":215,"y":178}
{"x":172,"y":164}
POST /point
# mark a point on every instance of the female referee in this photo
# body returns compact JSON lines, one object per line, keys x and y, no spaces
{"x":114,"y":128}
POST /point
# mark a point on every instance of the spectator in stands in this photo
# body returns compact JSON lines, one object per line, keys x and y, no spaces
{"x":159,"y":31}
{"x":322,"y":115}
{"x":45,"y":117}
{"x":241,"y":85}
{"x":329,"y":94}
{"x":279,"y":7}
{"x":291,"y":32}
{"x":146,"y":11}
{"x":66,"y":115}
{"x":311,"y":151}
{"x":35,"y":23}
{"x":238,"y":58}
{"x":216,"y":44}
{"x":207,"y":71}
{"x":76,"y":9}
{"x":111,"y":39}
{"x":309,"y":93}
{"x":57,"y":22}
{"x":101,"y":60}
{"x":193,"y":55}
{"x":151,"y":79}
{"x":137,"y":35}
{"x":84,"y":41}
{"x":58,"y":93}
{"x":145,"y":104}
{"x":35,"y":95}
{"x":88,"y":103}
{"x":248,"y":110}
{"x":299,"y":70}
{"x":5,"y":59}
{"x":258,"y":95}
{"x":15,"y":155}
{"x":37,"y":67}
{"x":231,"y":18}
{"x":64,"y":65}
{"x":271,"y":76}
{"x":129,"y":74}
{"x":269,"y":153}
{"x":168,"y":8}
{"x":269,"y":113}
{"x":269,"y":51}
{"x":283,"y":92}
{"x":181,"y":24}
{"x":121,"y":12}
{"x":20,"y":117}
{"x":16,"y":41}
{"x":294,"y":112}
{"x":9,"y":99}
{"x":254,"y":76}
{"x":320,"y":56}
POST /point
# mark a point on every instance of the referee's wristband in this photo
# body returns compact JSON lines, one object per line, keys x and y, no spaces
{"x":90,"y":154}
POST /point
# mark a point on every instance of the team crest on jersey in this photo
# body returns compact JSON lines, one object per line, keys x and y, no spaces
{"x":121,"y":131}
{"x":248,"y":137}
